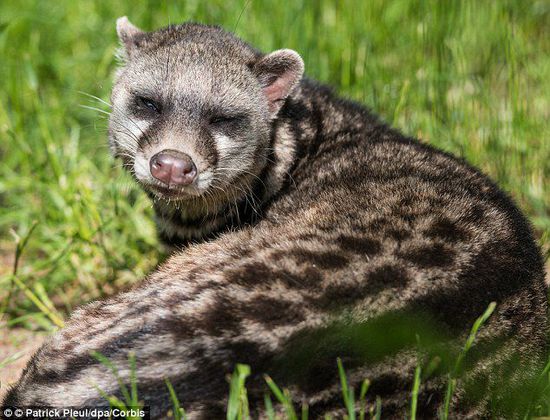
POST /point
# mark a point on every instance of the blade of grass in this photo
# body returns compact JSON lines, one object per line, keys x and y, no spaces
{"x":20,"y":244}
{"x":347,"y":391}
{"x":283,"y":397}
{"x":305,"y":411}
{"x":414,"y":394}
{"x":107,"y":363}
{"x":56,"y":319}
{"x":362,"y":400}
{"x":10,"y":359}
{"x":269,"y":412}
{"x":179,"y":412}
{"x":451,"y":386}
{"x":237,"y":404}
{"x":133,"y":381}
{"x":378,"y":410}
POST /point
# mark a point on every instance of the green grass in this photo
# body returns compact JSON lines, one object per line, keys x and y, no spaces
{"x":471,"y":77}
{"x":238,"y":407}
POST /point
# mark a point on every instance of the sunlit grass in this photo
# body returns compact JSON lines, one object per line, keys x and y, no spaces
{"x":284,"y":406}
{"x":470,"y":77}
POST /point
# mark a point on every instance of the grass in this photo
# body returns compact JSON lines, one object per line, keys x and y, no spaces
{"x":470,"y":77}
{"x":238,"y":405}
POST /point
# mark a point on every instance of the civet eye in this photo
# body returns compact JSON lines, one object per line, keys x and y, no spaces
{"x":149,"y":104}
{"x":226,"y":119}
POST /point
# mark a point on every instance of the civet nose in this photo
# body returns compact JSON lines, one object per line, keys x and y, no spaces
{"x":173,"y":168}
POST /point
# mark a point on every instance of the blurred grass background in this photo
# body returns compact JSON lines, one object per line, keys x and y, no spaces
{"x":470,"y":77}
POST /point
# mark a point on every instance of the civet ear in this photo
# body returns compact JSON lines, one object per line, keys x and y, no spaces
{"x":127,"y":33}
{"x":279,"y":72}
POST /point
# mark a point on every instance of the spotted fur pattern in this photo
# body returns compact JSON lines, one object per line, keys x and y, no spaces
{"x":354,"y":225}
